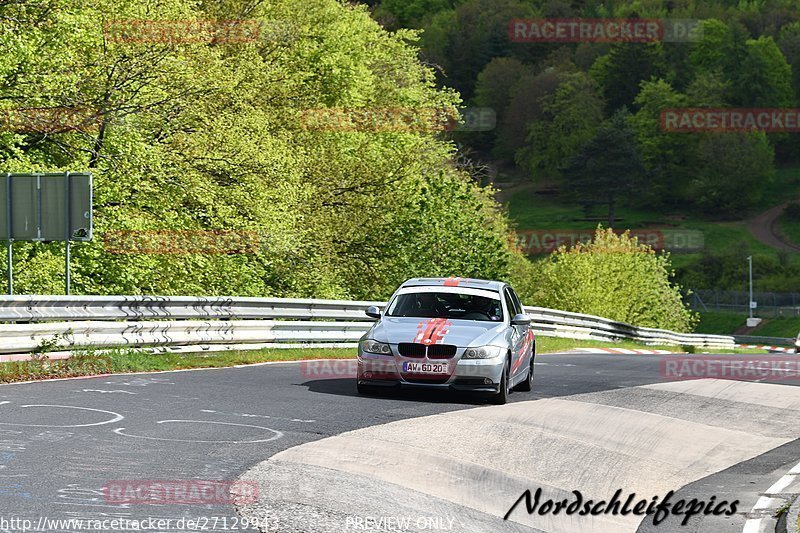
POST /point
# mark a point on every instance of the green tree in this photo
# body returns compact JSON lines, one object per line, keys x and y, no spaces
{"x":524,"y":107}
{"x":720,"y":48}
{"x":463,"y":41}
{"x":710,"y":89}
{"x":789,"y":43}
{"x":570,"y":118}
{"x":731,"y":172}
{"x":764,"y":77}
{"x":607,"y":166}
{"x":208,"y":135}
{"x":410,"y":13}
{"x":494,"y":91}
{"x":626,"y":65}
{"x":667,"y":157}
{"x":613,"y":276}
{"x":496,"y":81}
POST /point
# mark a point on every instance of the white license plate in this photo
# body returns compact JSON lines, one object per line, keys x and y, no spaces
{"x":425,"y":368}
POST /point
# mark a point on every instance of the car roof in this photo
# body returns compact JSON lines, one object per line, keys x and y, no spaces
{"x":469,"y":283}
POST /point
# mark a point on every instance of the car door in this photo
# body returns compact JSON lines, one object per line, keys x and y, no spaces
{"x":518,"y":334}
{"x":528,"y":333}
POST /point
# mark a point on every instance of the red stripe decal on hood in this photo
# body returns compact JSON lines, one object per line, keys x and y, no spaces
{"x":432,"y":331}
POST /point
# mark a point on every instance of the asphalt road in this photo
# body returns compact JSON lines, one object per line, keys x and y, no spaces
{"x":62,"y":442}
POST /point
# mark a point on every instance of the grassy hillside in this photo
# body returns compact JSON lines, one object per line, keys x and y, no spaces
{"x":727,"y":323}
{"x":719,"y":323}
{"x":778,"y":327}
{"x":533,"y":208}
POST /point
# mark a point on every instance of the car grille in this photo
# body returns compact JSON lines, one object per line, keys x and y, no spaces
{"x":411,"y":349}
{"x":441,"y":351}
{"x":434,"y":351}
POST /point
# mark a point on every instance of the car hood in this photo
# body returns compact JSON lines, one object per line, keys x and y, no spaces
{"x":460,"y":333}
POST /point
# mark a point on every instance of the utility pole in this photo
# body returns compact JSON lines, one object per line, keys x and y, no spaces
{"x":750,"y":304}
{"x":751,"y":322}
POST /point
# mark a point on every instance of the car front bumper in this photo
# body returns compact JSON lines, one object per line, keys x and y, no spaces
{"x":476,"y":375}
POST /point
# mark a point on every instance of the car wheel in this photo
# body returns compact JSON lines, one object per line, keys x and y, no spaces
{"x":527,"y":384}
{"x":502,"y":395}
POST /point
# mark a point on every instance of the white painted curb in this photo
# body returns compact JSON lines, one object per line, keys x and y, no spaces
{"x":762,"y":516}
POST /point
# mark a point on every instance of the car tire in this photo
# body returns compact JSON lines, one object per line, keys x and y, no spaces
{"x":527,"y":384}
{"x":501,"y":397}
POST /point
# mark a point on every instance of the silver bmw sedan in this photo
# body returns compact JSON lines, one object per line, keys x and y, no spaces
{"x":452,"y":333}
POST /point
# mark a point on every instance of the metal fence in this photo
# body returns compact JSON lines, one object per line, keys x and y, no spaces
{"x":770,"y":304}
{"x":27,"y":323}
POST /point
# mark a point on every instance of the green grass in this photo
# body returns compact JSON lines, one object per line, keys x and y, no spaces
{"x":532,"y":211}
{"x":789,"y":228}
{"x":142,"y":361}
{"x":784,"y":186}
{"x":122,"y":361}
{"x":537,"y":211}
{"x":778,"y":327}
{"x":557,"y":344}
{"x":126,"y":361}
{"x":720,"y":323}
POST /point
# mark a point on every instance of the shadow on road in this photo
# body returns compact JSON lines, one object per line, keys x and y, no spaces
{"x":347,"y":387}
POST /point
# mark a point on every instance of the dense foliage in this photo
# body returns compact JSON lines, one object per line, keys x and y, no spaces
{"x":551,"y":98}
{"x":613,"y":276}
{"x":208,"y":135}
{"x":217,"y":134}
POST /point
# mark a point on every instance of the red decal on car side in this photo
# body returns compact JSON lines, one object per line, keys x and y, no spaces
{"x":523,"y":350}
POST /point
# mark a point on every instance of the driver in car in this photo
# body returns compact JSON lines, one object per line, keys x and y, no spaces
{"x":428,"y":306}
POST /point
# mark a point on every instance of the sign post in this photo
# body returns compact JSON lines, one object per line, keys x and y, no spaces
{"x":46,"y":207}
{"x":10,"y":258}
{"x":67,"y":232}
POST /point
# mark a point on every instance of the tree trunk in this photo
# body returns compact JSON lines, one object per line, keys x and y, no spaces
{"x":611,"y":210}
{"x":98,"y":144}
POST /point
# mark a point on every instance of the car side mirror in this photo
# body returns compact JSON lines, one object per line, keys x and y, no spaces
{"x":521,"y":320}
{"x":373,"y":311}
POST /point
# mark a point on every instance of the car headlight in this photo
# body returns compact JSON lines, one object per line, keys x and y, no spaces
{"x":483,"y":352}
{"x":371,"y":346}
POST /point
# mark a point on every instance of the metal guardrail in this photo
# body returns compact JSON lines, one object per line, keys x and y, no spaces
{"x":551,"y":322}
{"x":755,"y":339}
{"x":25,"y":338}
{"x":50,"y":308}
{"x":70,"y":322}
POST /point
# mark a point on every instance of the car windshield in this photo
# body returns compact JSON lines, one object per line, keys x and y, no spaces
{"x":447,"y":305}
